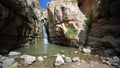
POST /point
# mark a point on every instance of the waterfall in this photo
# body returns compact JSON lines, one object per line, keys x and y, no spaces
{"x":45,"y":38}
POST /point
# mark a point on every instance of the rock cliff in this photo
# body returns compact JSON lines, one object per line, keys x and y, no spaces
{"x":105,"y":26}
{"x":17,"y":18}
{"x":66,"y":23}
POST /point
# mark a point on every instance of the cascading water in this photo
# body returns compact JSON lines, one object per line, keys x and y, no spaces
{"x":45,"y":35}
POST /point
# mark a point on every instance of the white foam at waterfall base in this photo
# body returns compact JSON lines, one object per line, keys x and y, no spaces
{"x":45,"y":35}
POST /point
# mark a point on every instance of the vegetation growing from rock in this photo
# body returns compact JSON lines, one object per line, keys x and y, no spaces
{"x":88,"y":21}
{"x":70,"y":32}
{"x":34,"y":14}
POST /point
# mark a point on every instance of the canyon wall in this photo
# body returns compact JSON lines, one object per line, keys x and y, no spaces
{"x":105,"y":26}
{"x":17,"y":21}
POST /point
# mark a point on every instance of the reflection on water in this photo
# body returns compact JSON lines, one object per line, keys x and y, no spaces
{"x":44,"y":49}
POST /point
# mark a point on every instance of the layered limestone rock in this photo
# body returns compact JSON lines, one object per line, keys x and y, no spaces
{"x":66,"y":23}
{"x":17,"y":18}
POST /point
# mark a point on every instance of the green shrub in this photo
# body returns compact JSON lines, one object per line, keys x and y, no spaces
{"x":70,"y":32}
{"x":88,"y":20}
{"x":34,"y":14}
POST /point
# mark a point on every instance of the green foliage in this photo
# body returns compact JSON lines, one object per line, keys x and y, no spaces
{"x":34,"y":14}
{"x":70,"y":32}
{"x":88,"y":20}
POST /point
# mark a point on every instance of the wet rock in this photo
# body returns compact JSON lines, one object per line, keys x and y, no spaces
{"x":40,"y":58}
{"x":87,"y":50}
{"x":28,"y":59}
{"x":76,"y":59}
{"x":27,"y":44}
{"x":80,"y":48}
{"x":67,"y":59}
{"x":75,"y":52}
{"x":13,"y":53}
{"x":7,"y":62}
{"x":59,"y":60}
{"x":44,"y":57}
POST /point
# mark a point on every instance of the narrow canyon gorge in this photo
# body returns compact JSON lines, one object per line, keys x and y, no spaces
{"x":88,"y":29}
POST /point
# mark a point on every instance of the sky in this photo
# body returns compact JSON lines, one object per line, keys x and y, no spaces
{"x":43,"y":3}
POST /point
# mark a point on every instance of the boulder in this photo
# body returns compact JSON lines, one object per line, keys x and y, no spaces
{"x":13,"y":53}
{"x":59,"y":60}
{"x":7,"y":62}
{"x":87,"y":50}
{"x":67,"y":59}
{"x":76,"y":59}
{"x":40,"y":58}
{"x":28,"y":59}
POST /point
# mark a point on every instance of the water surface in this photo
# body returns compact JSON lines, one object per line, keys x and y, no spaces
{"x":45,"y":49}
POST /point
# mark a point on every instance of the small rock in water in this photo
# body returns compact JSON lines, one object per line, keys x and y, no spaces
{"x":67,"y":59}
{"x":27,"y":44}
{"x":28,"y":59}
{"x":76,"y":59}
{"x":59,"y":60}
{"x":40,"y":58}
{"x":75,"y":52}
{"x":44,"y":57}
{"x":13,"y":53}
{"x":80,"y":48}
{"x":87,"y":50}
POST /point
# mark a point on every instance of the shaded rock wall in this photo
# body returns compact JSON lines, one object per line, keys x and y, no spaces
{"x":66,"y":23}
{"x":17,"y":18}
{"x":106,"y":21}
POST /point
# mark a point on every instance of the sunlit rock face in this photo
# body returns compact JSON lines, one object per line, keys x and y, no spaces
{"x":66,"y":23}
{"x":17,"y":18}
{"x":106,"y":20}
